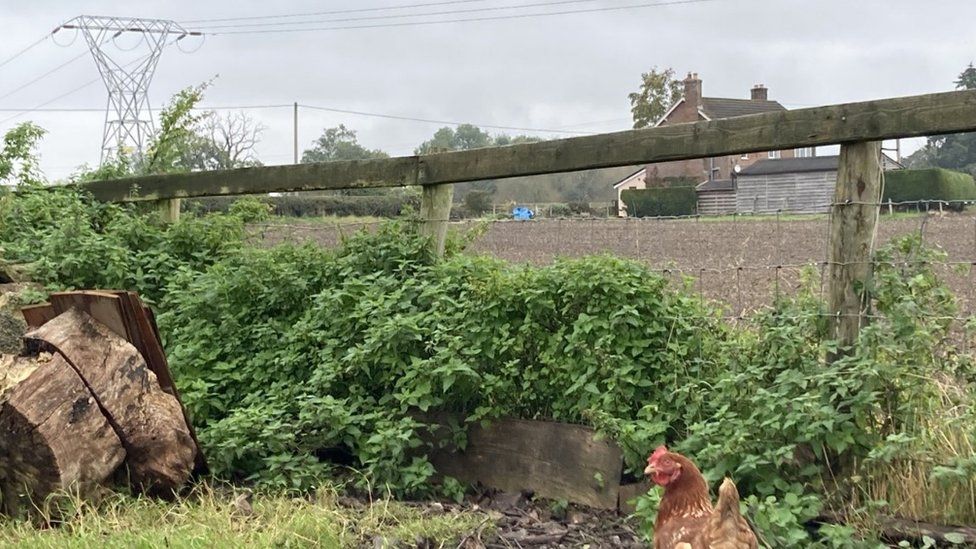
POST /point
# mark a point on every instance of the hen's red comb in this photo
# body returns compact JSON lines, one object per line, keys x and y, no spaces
{"x":658,"y":453}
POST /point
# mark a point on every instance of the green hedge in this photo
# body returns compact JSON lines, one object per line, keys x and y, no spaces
{"x":315,"y":206}
{"x":931,"y":184}
{"x":657,"y":202}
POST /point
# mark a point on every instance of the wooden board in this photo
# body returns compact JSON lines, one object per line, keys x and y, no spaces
{"x":553,"y":460}
{"x":921,"y":115}
{"x":102,"y":306}
{"x":37,"y":315}
{"x":629,"y":492}
{"x":149,"y":422}
{"x":54,"y":437}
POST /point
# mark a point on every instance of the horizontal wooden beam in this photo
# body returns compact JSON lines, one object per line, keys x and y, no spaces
{"x":921,"y":115}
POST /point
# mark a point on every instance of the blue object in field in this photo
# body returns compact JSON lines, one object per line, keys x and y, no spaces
{"x":521,"y":213}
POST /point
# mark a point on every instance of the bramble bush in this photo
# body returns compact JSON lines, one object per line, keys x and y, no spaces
{"x":292,"y":354}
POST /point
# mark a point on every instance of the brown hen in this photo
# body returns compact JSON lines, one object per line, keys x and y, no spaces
{"x":686,"y":518}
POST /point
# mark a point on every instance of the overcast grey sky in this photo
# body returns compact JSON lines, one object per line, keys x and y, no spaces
{"x":565,"y":72}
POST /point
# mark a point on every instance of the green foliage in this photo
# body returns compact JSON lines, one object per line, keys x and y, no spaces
{"x":18,"y":159}
{"x":659,"y":90}
{"x":928,"y":184}
{"x":665,"y":201}
{"x":339,"y":143}
{"x":176,"y":139}
{"x":477,"y":202}
{"x":301,"y":205}
{"x":953,"y":152}
{"x":289,"y":354}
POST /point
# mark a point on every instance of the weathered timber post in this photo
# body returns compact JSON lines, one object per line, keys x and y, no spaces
{"x":435,"y":212}
{"x":854,"y":216}
{"x":169,"y":209}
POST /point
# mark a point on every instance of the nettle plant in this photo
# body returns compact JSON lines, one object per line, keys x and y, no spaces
{"x":299,"y":363}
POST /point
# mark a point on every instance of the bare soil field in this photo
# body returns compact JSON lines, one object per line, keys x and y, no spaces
{"x":742,"y":262}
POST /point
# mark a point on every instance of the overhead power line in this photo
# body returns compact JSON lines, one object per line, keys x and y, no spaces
{"x":27,"y":48}
{"x":464,"y":20}
{"x":333,"y":12}
{"x":436,"y":121}
{"x":398,"y":15}
{"x":45,"y":75}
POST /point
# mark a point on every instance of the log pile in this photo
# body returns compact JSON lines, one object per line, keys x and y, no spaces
{"x":89,"y":403}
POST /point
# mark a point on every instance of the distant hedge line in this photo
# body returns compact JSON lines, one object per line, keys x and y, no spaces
{"x":313,"y":206}
{"x":928,"y":185}
{"x":657,"y":202}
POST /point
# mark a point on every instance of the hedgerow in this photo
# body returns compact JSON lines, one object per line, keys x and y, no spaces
{"x":291,"y":355}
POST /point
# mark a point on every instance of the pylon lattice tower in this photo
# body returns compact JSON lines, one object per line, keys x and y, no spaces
{"x":128,"y":115}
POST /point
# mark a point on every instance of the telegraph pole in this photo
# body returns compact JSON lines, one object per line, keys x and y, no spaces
{"x":296,"y":132}
{"x":128,"y":115}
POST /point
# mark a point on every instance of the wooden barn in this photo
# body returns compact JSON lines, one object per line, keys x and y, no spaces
{"x":716,"y":197}
{"x":795,"y":185}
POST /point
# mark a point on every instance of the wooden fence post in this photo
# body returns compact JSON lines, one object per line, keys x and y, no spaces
{"x":169,"y":209}
{"x":854,"y":216}
{"x":435,"y":212}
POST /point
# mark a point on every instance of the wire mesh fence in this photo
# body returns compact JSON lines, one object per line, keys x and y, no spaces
{"x":741,"y":261}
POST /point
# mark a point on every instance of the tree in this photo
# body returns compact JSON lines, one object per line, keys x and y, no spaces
{"x":657,"y":93}
{"x":339,"y":143}
{"x":226,"y":142}
{"x":953,"y":152}
{"x":18,"y":159}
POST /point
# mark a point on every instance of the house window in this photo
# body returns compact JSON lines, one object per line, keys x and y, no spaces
{"x":804,"y":152}
{"x":774,"y":154}
{"x":744,"y":157}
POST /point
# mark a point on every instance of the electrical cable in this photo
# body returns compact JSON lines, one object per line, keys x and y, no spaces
{"x":466,"y":20}
{"x":333,"y":12}
{"x":208,"y":28}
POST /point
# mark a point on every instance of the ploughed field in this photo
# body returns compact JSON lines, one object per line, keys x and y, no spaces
{"x":742,"y":262}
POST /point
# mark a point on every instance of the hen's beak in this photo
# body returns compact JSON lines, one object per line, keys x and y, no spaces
{"x":649,"y":470}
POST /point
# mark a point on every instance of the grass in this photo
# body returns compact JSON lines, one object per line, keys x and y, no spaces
{"x":209,"y":517}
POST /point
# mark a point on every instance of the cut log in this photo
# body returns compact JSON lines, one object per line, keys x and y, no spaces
{"x":54,"y":437}
{"x":149,"y":421}
{"x":126,"y":315}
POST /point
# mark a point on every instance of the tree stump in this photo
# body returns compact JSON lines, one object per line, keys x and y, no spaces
{"x":149,"y":422}
{"x":52,"y":434}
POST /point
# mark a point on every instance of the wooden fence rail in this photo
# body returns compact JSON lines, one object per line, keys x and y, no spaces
{"x":857,"y":127}
{"x":866,"y":121}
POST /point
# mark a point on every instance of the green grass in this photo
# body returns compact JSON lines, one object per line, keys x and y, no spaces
{"x":209,"y":518}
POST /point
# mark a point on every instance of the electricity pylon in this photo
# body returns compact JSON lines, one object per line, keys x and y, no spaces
{"x":128,"y":116}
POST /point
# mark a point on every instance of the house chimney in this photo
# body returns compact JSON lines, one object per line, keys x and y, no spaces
{"x":760,"y":93}
{"x":693,"y":89}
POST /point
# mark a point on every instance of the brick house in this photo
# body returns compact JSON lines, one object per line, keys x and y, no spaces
{"x":710,"y":174}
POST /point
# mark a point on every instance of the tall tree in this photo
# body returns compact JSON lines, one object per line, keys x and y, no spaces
{"x":466,"y":137}
{"x":956,"y":151}
{"x":658,"y":91}
{"x":339,"y":143}
{"x":226,"y":142}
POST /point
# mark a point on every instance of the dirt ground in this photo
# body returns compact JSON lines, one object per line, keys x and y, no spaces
{"x":740,"y":261}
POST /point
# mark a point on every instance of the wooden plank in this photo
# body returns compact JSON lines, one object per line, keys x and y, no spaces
{"x":629,"y":492}
{"x":351,"y":174}
{"x":920,"y":115}
{"x":102,"y":306}
{"x":854,"y":216}
{"x":435,"y":211}
{"x":553,"y":460}
{"x":37,"y":315}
